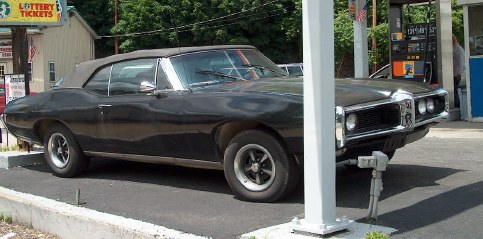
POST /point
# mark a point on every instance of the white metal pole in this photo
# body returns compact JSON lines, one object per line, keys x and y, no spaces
{"x":361,"y":57}
{"x":467,"y":62}
{"x":445,"y":50}
{"x":319,"y":119}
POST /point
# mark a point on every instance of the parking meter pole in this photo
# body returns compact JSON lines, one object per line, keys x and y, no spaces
{"x":319,"y":121}
{"x":376,"y":188}
{"x":378,"y":162}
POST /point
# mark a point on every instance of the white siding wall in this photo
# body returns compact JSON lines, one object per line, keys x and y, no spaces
{"x":38,"y":70}
{"x":38,"y":65}
{"x":67,"y":46}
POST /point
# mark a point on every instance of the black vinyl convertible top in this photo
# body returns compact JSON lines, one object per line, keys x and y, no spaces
{"x":84,"y":70}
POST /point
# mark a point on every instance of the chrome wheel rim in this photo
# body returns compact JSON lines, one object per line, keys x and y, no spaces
{"x":254,"y":167}
{"x":58,"y":150}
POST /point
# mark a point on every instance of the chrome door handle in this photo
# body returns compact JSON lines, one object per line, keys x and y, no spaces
{"x":102,"y":106}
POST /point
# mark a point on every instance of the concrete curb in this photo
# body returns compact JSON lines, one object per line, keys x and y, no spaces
{"x":68,"y":221}
{"x":13,"y":159}
{"x":284,"y":231}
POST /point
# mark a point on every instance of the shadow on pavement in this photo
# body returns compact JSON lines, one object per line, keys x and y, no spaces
{"x":352,"y":184}
{"x":435,"y":209}
{"x":158,"y":174}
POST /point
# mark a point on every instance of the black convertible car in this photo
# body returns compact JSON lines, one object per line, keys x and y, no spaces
{"x":226,"y":107}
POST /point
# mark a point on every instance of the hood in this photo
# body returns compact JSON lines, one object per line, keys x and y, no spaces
{"x":347,"y":91}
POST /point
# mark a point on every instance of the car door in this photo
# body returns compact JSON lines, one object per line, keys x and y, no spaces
{"x":136,"y":121}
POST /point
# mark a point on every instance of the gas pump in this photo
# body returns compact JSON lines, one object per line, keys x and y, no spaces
{"x":413,"y":46}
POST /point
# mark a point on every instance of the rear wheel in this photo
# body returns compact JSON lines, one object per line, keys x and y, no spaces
{"x":62,"y":153}
{"x":258,"y":168}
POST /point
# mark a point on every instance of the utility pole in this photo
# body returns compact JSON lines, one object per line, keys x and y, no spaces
{"x":20,"y":54}
{"x":361,"y":56}
{"x":374,"y":40}
{"x":20,"y":59}
{"x":116,"y":21}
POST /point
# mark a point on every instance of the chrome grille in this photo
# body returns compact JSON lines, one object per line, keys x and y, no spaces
{"x":376,"y":118}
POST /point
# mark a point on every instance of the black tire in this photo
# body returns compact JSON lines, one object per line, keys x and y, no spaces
{"x":258,"y":168}
{"x":62,"y":152}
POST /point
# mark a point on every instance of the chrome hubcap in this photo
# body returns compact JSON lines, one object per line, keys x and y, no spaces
{"x":58,"y":150}
{"x":254,"y":167}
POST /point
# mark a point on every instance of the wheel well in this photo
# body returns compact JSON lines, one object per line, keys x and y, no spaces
{"x":41,"y":127}
{"x":225,"y":133}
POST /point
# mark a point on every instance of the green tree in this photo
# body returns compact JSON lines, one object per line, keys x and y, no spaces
{"x":99,"y":15}
{"x":275,"y":27}
{"x":203,"y":22}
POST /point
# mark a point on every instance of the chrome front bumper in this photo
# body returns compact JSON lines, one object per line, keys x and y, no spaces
{"x":407,"y":121}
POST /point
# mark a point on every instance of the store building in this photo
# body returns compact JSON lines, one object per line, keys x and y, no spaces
{"x":54,"y":52}
{"x":473,"y":10}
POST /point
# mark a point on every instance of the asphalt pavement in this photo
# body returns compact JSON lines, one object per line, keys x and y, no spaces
{"x":432,"y":189}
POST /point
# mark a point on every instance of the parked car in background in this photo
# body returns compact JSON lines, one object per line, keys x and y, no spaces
{"x":383,"y":72}
{"x":293,"y":69}
{"x":224,"y":107}
{"x":58,"y":83}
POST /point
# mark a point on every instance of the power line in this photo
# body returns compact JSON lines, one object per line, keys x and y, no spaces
{"x":221,"y":25}
{"x":190,"y":25}
{"x":233,"y":23}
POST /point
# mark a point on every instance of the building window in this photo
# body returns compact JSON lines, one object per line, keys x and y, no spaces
{"x":2,"y":69}
{"x":52,"y":71}
{"x":29,"y":70}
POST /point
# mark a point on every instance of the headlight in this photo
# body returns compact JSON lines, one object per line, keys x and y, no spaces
{"x":422,"y":106}
{"x":351,"y":122}
{"x":430,"y":105}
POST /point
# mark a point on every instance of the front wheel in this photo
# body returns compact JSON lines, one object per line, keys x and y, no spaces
{"x":62,"y":153}
{"x":258,"y":168}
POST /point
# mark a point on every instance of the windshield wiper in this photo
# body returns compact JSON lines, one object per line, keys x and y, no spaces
{"x":205,"y":83}
{"x":265,"y":68}
{"x":217,"y":73}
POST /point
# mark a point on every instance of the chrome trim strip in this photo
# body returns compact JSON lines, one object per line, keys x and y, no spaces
{"x":339,"y":126}
{"x":171,"y":74}
{"x":440,"y":92}
{"x":438,"y":117}
{"x":191,"y":163}
{"x":376,"y":133}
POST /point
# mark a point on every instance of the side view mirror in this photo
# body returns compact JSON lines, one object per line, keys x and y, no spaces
{"x":147,"y":86}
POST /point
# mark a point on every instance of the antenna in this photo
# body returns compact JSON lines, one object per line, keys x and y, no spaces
{"x":179,"y":48}
{"x":176,"y":30}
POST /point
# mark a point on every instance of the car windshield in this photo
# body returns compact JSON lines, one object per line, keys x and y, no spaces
{"x":59,"y":83}
{"x":217,"y":67}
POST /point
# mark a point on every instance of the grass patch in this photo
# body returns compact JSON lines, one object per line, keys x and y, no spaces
{"x":376,"y":235}
{"x":9,"y":148}
{"x":6,"y":218}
